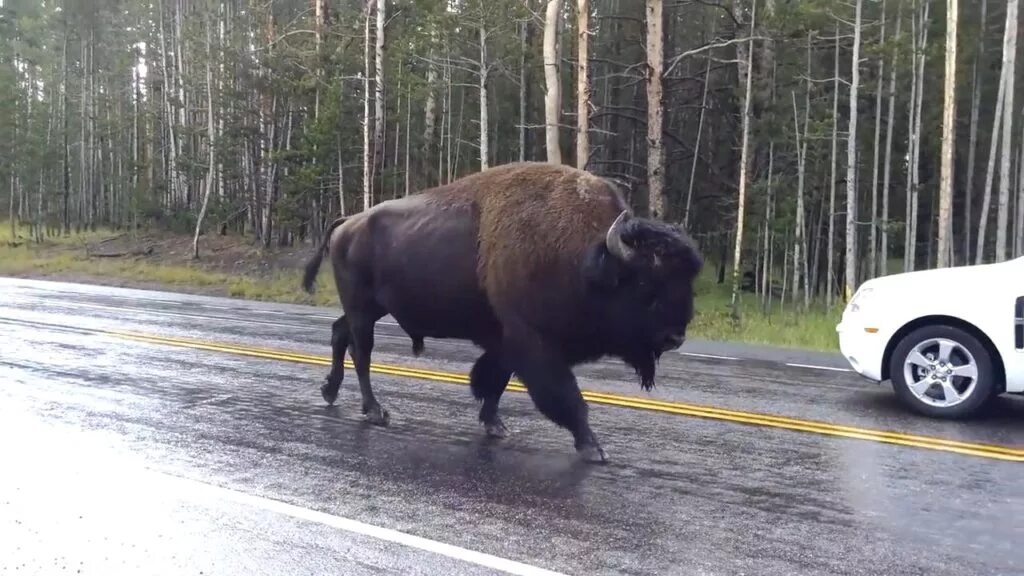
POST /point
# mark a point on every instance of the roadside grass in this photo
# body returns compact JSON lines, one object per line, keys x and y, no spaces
{"x":65,"y":258}
{"x":788,"y":326}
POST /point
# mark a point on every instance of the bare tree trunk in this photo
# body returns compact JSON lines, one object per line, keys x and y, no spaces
{"x":66,"y":152}
{"x":873,"y":251}
{"x":656,"y":113}
{"x":430,"y":114}
{"x":408,"y":136}
{"x":210,"y":135}
{"x":447,"y":115}
{"x":948,"y":139}
{"x":398,"y":130}
{"x":1009,"y":63}
{"x":523,"y":40}
{"x":485,"y":152}
{"x":378,"y":117}
{"x":917,"y":121}
{"x":341,"y":179}
{"x":136,"y":151}
{"x":10,"y":206}
{"x":830,"y":272}
{"x":851,"y":164}
{"x":179,"y":58}
{"x":171,"y":117}
{"x":367,"y":167}
{"x":801,"y":150}
{"x":696,"y":144}
{"x":986,"y":197}
{"x":973,"y":139}
{"x":920,"y":44}
{"x":583,"y":83}
{"x":553,"y":95}
{"x":769,"y":201}
{"x":744,"y":152}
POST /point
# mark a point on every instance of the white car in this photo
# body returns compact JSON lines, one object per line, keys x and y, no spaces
{"x":949,"y":339}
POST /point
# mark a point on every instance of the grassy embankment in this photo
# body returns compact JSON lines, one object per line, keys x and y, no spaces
{"x":232,"y":267}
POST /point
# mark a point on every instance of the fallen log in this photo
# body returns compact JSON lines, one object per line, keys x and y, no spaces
{"x":140,"y":252}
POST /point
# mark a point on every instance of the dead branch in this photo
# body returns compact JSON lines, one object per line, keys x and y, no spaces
{"x":676,"y":59}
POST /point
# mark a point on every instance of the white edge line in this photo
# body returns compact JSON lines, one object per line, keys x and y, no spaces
{"x":715,"y":356}
{"x":357,"y":527}
{"x":813,"y":367}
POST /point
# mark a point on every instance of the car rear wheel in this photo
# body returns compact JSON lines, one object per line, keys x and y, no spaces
{"x":942,"y":371}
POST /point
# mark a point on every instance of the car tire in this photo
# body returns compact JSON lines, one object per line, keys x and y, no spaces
{"x":966,"y":397}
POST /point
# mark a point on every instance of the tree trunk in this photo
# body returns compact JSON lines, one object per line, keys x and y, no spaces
{"x":485,"y":152}
{"x":800,"y":267}
{"x":948,"y":139}
{"x":851,"y":165}
{"x":1009,"y":62}
{"x":765,"y":283}
{"x":66,"y":151}
{"x":920,"y":44}
{"x":741,"y":196}
{"x":367,"y":154}
{"x":378,"y":116}
{"x":524,"y":38}
{"x":656,"y":112}
{"x":696,"y":144}
{"x":210,"y":135}
{"x":986,"y":197}
{"x":583,"y":83}
{"x":873,"y":241}
{"x":408,"y":137}
{"x":429,"y":116}
{"x":174,"y":192}
{"x":553,"y":95}
{"x":830,"y":272}
{"x":972,"y":147}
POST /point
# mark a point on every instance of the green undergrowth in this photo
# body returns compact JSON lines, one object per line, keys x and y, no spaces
{"x":786,"y":326}
{"x":65,"y":259}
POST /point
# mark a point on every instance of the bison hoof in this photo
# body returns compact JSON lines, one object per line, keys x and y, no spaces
{"x":378,"y":416}
{"x":496,"y":429}
{"x":592,"y":453}
{"x":329,"y":391}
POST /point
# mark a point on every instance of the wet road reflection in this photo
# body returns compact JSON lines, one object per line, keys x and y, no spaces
{"x":107,"y":440}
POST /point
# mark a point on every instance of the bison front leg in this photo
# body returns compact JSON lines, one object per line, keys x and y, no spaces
{"x":488,"y":380}
{"x":553,"y":388}
{"x":339,"y":345}
{"x":362,"y":348}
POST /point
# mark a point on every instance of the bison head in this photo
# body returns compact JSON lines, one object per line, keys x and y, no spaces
{"x":640,"y":280}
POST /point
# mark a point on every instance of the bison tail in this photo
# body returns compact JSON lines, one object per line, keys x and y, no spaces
{"x":313,"y":264}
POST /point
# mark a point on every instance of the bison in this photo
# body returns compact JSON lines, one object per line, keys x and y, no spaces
{"x":542,"y":266}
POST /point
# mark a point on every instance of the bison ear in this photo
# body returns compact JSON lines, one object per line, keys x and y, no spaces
{"x":601,"y":270}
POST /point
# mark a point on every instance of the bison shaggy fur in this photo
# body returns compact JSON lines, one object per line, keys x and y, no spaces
{"x":542,"y":266}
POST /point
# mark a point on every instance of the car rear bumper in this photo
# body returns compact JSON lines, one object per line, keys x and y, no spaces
{"x":863,"y":350}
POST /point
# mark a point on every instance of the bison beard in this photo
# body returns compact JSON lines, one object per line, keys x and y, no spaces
{"x":540,"y":265}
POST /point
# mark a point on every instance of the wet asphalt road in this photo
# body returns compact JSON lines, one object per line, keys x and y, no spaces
{"x":129,"y":457}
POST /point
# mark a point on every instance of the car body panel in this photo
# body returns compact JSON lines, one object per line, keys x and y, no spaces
{"x":983,"y":296}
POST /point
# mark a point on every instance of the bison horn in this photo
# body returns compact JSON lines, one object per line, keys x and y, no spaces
{"x":614,"y":240}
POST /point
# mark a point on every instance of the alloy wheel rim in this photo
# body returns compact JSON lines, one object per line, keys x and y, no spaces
{"x":940,"y":372}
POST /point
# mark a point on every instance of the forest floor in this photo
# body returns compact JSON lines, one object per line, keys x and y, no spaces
{"x":236,"y":267}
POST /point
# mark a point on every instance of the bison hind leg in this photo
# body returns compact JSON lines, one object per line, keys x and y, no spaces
{"x":361,"y":330}
{"x":487,"y":380}
{"x":339,"y":345}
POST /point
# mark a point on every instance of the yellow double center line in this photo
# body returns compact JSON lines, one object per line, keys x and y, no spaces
{"x":710,"y":412}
